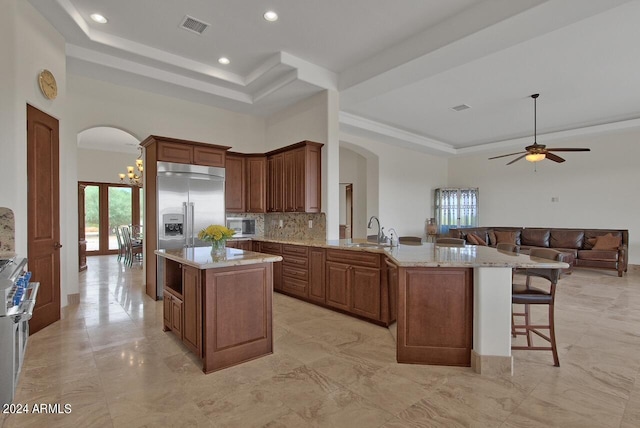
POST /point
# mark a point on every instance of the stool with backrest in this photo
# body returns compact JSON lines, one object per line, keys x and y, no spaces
{"x":528,"y":295}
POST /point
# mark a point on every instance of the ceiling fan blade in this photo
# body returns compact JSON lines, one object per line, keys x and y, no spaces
{"x":568,"y":150}
{"x":553,"y":157}
{"x":518,"y":158}
{"x":502,"y":156}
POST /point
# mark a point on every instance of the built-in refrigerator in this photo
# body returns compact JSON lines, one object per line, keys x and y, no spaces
{"x":190,"y":197}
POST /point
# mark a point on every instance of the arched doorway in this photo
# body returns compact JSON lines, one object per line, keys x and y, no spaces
{"x":104,"y":200}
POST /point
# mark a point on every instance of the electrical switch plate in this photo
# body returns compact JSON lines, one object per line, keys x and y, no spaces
{"x":555,"y":199}
{"x":310,"y":224}
{"x":280,"y":223}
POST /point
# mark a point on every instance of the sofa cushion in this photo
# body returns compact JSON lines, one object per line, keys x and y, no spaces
{"x":474,"y":239}
{"x":598,"y":255}
{"x":564,"y":238}
{"x":535,"y":237}
{"x":509,"y":237}
{"x":607,"y":242}
{"x":591,"y":236}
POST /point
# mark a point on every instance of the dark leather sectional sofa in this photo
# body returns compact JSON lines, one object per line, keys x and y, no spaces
{"x":594,"y":248}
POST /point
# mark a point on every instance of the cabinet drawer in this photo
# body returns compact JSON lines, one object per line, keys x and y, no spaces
{"x":295,"y":286}
{"x":295,"y":250}
{"x":295,"y":272}
{"x":271,"y":248}
{"x":294,"y":261}
{"x":360,"y":258}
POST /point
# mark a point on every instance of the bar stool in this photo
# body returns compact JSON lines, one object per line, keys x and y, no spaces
{"x":528,"y":295}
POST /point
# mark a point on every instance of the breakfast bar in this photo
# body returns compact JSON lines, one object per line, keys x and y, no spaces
{"x":221,"y":308}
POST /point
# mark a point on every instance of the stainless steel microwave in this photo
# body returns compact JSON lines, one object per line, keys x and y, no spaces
{"x":242,"y":226}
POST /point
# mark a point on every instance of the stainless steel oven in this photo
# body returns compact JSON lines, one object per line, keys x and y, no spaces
{"x":18,"y":298}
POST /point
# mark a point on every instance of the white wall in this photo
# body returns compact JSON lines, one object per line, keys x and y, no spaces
{"x":403,"y":181}
{"x":28,"y":44}
{"x":597,"y":189}
{"x":353,"y":169}
{"x":102,"y":166}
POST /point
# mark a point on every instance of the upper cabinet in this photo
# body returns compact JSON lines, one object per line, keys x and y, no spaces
{"x":189,"y":152}
{"x":245,"y":183}
{"x":294,"y":177}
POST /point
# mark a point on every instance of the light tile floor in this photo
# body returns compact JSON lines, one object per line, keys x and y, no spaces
{"x":109,"y":359}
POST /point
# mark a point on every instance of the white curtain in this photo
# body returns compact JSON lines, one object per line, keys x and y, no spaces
{"x":456,"y":207}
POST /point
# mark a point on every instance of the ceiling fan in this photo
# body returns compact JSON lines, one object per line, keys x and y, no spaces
{"x":537,"y":152}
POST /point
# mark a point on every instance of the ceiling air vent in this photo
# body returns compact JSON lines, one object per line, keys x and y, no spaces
{"x":460,"y":107}
{"x":193,"y":25}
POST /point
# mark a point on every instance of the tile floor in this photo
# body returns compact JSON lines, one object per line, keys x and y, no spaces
{"x":109,"y":359}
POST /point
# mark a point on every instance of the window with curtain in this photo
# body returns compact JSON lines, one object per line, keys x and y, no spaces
{"x":456,"y":207}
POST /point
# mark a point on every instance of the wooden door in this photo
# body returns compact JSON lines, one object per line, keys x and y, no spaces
{"x":43,"y":218}
{"x":234,"y":185}
{"x":337,"y":283}
{"x":256,"y":185}
{"x":365,"y":292}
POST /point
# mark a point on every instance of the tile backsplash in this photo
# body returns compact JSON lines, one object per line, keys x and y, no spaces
{"x":294,"y":225}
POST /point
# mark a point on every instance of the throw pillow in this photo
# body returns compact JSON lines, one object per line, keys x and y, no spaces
{"x":471,"y":239}
{"x":479,"y":240}
{"x":607,"y":242}
{"x":508,"y":237}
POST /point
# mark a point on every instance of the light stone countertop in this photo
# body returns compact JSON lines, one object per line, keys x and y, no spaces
{"x":200,"y":257}
{"x":435,"y":255}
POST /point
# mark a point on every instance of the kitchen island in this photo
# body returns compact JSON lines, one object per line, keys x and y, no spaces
{"x":221,"y":309}
{"x":452,"y":303}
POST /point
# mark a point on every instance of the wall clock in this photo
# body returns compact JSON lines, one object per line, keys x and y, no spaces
{"x":48,"y":84}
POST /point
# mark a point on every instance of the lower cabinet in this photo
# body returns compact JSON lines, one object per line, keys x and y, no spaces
{"x":244,"y":244}
{"x":275,"y":249}
{"x":172,"y":313}
{"x":354,"y":288}
{"x":182,"y":313}
{"x":295,"y":270}
{"x":317,"y":283}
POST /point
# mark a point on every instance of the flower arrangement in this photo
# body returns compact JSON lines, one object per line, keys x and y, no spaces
{"x":214,"y":233}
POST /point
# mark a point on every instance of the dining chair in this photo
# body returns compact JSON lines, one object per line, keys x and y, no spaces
{"x":132,"y":249}
{"x":527,"y":295}
{"x":121,"y":249}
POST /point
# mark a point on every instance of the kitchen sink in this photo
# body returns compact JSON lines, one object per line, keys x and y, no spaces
{"x":369,"y":245}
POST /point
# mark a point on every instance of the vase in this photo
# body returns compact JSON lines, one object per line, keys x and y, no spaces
{"x":218,"y":249}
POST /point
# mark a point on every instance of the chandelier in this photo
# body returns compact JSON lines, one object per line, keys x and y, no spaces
{"x":134,"y":174}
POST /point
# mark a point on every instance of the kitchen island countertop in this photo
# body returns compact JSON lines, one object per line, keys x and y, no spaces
{"x":200,"y":257}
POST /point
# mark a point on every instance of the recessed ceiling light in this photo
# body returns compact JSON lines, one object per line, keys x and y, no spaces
{"x":270,"y":16}
{"x":223,"y":60}
{"x":98,"y":18}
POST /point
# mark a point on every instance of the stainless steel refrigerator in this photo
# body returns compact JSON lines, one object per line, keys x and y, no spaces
{"x":190,"y":197}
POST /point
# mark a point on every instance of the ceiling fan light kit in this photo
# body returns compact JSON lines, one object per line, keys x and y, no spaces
{"x":537,"y":152}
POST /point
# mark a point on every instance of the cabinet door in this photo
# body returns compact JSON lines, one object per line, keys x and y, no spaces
{"x":234,"y":185}
{"x":175,"y":152}
{"x":365,"y":292}
{"x":256,"y":185}
{"x":208,"y":156}
{"x":256,"y":246}
{"x":166,"y":310}
{"x":316,"y":274}
{"x":299,"y":180}
{"x":337,"y":283}
{"x":232,"y":244}
{"x":245,"y":245}
{"x":192,"y":309}
{"x":290,"y":181}
{"x":176,"y":316}
{"x":275,"y":166}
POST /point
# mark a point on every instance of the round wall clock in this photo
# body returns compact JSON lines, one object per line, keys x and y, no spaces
{"x":48,"y":84}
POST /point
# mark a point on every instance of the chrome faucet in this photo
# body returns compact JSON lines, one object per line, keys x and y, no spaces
{"x":393,"y":237}
{"x":380,"y":235}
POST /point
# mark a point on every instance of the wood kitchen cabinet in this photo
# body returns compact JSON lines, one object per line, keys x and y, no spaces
{"x":295,"y":178}
{"x":234,"y":183}
{"x":241,"y":244}
{"x":165,"y":149}
{"x":295,"y":270}
{"x":245,"y":183}
{"x":172,"y":313}
{"x":317,"y":286}
{"x":275,"y":249}
{"x":353,"y":282}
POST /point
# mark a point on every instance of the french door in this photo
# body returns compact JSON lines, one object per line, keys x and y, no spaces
{"x":107,"y":206}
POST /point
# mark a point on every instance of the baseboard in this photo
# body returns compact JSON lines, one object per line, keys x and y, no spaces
{"x":491,"y":365}
{"x":73,"y":299}
{"x":633,"y":268}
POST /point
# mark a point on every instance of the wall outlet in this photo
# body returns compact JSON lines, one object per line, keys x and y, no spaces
{"x":555,"y":199}
{"x":310,"y":224}
{"x":280,"y":223}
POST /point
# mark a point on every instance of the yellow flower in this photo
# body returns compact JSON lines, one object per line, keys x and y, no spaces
{"x":215,"y":232}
